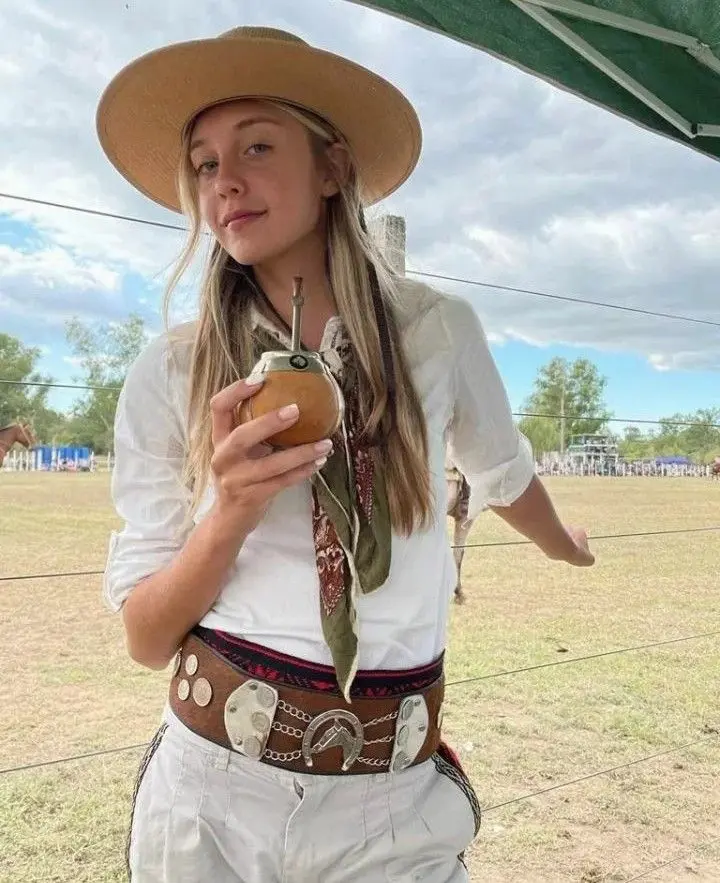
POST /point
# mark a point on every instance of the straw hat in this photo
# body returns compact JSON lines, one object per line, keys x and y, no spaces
{"x":144,"y":110}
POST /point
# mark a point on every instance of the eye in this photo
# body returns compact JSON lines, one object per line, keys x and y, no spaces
{"x":206,"y":167}
{"x":257,"y":149}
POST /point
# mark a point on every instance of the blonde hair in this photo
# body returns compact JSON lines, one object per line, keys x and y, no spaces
{"x":223,"y":348}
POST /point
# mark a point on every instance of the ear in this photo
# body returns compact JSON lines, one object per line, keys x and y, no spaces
{"x":337,"y":169}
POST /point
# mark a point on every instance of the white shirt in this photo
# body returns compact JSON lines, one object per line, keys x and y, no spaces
{"x":272,"y":595}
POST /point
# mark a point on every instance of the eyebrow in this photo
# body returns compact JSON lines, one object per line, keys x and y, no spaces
{"x":238,"y":127}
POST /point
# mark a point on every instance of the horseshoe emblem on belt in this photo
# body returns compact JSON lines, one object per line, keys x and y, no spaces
{"x":338,"y":735}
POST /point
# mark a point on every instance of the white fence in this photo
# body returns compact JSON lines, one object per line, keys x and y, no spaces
{"x":31,"y":461}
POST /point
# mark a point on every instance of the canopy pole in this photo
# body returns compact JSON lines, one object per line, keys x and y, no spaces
{"x":602,"y":63}
{"x":700,"y":51}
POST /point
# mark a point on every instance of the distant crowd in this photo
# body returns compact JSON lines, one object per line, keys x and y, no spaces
{"x":625,"y":469}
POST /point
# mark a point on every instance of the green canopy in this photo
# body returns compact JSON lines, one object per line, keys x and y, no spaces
{"x":655,"y":62}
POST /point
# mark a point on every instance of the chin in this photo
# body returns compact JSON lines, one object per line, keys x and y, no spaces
{"x":251,"y":253}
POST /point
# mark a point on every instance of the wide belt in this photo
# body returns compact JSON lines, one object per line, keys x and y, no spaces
{"x":298,"y":729}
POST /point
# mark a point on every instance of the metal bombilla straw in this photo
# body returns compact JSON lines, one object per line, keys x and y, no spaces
{"x":298,"y":302}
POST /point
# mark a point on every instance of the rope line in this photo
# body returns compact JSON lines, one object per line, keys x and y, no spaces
{"x":606,"y":536}
{"x":562,"y":297}
{"x":672,"y":861}
{"x":53,"y":385}
{"x":572,"y":659}
{"x":93,"y":211}
{"x":57,"y":760}
{"x":504,"y":288}
{"x":106,"y":751}
{"x":621,"y":766}
{"x":609,"y":536}
{"x":21,"y":576}
{"x":616,"y":419}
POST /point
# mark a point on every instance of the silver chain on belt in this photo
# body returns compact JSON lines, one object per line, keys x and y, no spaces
{"x":299,"y":714}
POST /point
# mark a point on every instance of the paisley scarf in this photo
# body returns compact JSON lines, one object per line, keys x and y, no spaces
{"x":350,"y":513}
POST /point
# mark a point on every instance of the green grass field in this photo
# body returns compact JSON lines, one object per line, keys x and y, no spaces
{"x":69,"y":688}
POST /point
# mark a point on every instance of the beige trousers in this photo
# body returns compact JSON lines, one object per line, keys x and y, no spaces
{"x":204,"y":814}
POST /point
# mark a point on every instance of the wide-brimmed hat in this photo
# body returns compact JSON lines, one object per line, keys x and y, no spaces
{"x":145,"y":109}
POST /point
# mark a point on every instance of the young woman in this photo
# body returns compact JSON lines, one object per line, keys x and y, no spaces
{"x":302,"y":592}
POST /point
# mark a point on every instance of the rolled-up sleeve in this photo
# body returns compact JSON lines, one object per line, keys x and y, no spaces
{"x":483,"y":441}
{"x":147,"y":487}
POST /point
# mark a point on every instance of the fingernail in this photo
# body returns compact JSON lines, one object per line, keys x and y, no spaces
{"x":288,"y":412}
{"x":324,"y":447}
{"x":321,"y":462}
{"x":254,"y":380}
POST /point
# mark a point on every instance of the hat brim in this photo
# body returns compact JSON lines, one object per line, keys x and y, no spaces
{"x":144,"y":110}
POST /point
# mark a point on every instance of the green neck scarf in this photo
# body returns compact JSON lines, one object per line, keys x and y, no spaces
{"x":350,"y":512}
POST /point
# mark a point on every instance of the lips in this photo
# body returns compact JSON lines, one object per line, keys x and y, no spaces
{"x":238,"y":218}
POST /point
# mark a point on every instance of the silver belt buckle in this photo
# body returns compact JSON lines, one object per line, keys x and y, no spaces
{"x":411,"y":730}
{"x":249,"y":714}
{"x":350,"y":738}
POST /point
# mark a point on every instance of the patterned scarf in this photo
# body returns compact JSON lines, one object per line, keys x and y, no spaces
{"x":350,"y":515}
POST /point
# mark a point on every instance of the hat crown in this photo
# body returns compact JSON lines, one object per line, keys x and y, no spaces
{"x":256,"y":32}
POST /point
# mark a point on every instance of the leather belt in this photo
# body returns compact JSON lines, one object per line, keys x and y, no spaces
{"x":298,"y":729}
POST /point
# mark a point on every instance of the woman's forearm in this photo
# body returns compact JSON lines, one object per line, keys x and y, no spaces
{"x":162,"y":608}
{"x":533,"y":515}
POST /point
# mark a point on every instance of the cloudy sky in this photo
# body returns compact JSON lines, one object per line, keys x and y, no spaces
{"x":519,"y":184}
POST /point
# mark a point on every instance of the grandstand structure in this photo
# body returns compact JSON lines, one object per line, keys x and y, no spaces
{"x":593,"y":452}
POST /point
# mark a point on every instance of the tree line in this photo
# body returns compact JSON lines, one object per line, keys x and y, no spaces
{"x":102,"y":354}
{"x":574,"y":394}
{"x":570,"y":396}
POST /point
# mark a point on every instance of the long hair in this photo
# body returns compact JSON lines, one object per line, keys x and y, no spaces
{"x":364,"y":287}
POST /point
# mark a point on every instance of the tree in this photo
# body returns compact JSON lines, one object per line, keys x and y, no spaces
{"x":17,"y":363}
{"x":561,"y":388}
{"x":104,"y":353}
{"x":699,"y":441}
{"x":543,"y":434}
{"x":703,"y":441}
{"x":634,"y":445}
{"x":52,"y":427}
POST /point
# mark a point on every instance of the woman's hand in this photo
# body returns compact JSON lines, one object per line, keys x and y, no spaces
{"x":578,"y":553}
{"x":534,"y":516}
{"x":247,"y":473}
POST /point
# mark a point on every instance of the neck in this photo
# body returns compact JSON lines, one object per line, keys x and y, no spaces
{"x":276,"y":279}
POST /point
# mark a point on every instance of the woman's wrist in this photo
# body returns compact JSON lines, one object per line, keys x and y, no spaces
{"x":229,"y":524}
{"x":534,"y":516}
{"x":559,"y":545}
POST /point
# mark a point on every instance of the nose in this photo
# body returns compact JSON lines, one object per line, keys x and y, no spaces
{"x":228,"y":179}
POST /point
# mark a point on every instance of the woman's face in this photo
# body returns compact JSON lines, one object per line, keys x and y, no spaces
{"x":261,"y":186}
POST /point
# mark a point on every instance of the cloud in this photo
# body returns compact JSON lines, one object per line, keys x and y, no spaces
{"x":50,"y":266}
{"x":519,"y":183}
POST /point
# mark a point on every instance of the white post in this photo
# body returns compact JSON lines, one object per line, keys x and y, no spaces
{"x":390,"y":234}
